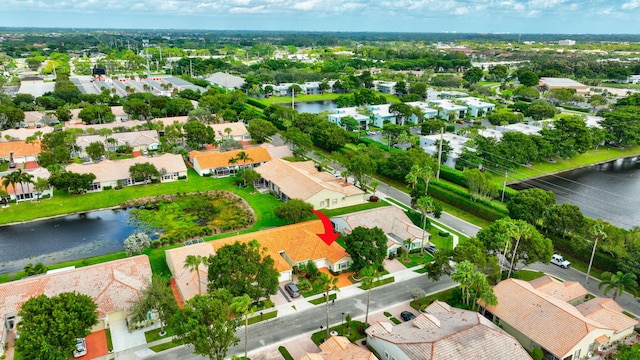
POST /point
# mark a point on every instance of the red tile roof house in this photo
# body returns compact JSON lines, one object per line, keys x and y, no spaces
{"x":392,"y":220}
{"x":27,"y":191}
{"x":219,"y":164}
{"x":541,"y":314}
{"x":20,"y":151}
{"x":444,"y":333}
{"x":301,"y":180}
{"x":114,"y":173}
{"x":287,"y":245}
{"x":112,"y":285}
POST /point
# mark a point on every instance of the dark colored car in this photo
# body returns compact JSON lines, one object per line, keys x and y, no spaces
{"x":407,"y":315}
{"x":430,"y":249}
{"x":292,"y":289}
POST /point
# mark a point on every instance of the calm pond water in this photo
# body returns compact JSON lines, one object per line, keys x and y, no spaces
{"x":314,"y":107}
{"x":610,"y":191}
{"x":64,"y":238}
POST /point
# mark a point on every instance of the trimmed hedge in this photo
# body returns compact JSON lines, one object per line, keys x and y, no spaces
{"x":256,"y":103}
{"x":462,"y":201}
{"x":453,"y":175}
{"x":576,"y":108}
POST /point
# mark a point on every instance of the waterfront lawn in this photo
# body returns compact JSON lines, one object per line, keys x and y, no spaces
{"x":298,"y":98}
{"x":602,"y":154}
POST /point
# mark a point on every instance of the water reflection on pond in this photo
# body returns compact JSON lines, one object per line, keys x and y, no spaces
{"x":64,"y":238}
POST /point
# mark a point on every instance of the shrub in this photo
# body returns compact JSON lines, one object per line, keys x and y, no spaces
{"x":136,"y":242}
{"x":443,"y":233}
{"x":45,"y":196}
{"x":107,"y":187}
{"x":182,"y":177}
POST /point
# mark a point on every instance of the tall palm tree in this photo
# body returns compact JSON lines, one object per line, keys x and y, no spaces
{"x":244,"y":157}
{"x":25,"y":178}
{"x":413,"y":176}
{"x":619,"y":282}
{"x":369,"y":275}
{"x":11,"y":179}
{"x":327,"y":283}
{"x":425,"y":205}
{"x":597,"y":231}
{"x":228,"y":132}
{"x":192,"y":263}
{"x":426,"y":173}
{"x":517,"y":231}
{"x":241,"y":305}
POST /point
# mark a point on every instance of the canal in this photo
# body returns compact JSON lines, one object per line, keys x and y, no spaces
{"x":609,"y":191}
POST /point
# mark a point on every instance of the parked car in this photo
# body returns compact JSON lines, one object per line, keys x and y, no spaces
{"x":431,"y":249}
{"x":12,"y":165}
{"x":81,"y":348}
{"x":292,"y":289}
{"x":557,"y":259}
{"x":371,"y":132}
{"x":407,"y":315}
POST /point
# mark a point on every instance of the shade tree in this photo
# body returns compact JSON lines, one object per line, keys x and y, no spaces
{"x":366,"y":246}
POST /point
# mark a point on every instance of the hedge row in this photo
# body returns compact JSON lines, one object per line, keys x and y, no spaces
{"x":576,"y":108}
{"x":463,"y":201}
{"x":253,"y":102}
{"x":601,"y":260}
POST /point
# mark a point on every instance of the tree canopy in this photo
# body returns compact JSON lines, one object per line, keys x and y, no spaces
{"x":243,"y":268}
{"x":49,"y":326}
{"x":367,"y":247}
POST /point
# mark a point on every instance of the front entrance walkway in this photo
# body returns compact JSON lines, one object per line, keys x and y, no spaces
{"x":124,"y":339}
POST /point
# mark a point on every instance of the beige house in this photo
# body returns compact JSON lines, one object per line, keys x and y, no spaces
{"x":116,"y":173}
{"x":564,"y":83}
{"x":234,"y":131}
{"x":111,"y":285}
{"x":557,"y":317}
{"x":301,"y":180}
{"x":443,"y":332}
{"x":27,"y":191}
{"x":339,"y":348}
{"x":287,"y":245}
{"x":138,"y":140}
{"x":392,"y":220}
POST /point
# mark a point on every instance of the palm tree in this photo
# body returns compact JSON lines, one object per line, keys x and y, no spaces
{"x":369,"y":275}
{"x":517,"y":231}
{"x":327,"y":283}
{"x":619,"y":282}
{"x":241,"y":305}
{"x":228,"y":132}
{"x":426,"y":173}
{"x":413,"y":176}
{"x":597,"y":231}
{"x":192,"y":263}
{"x":11,"y":179}
{"x":244,"y":157}
{"x":25,"y":178}
{"x":425,"y":205}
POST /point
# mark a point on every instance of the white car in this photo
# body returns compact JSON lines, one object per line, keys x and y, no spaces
{"x":557,"y":259}
{"x":81,"y":348}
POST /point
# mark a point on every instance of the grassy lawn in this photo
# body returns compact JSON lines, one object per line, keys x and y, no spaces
{"x":109,"y":340}
{"x":164,"y":346}
{"x":427,"y":300}
{"x":588,"y":158}
{"x":285,"y":353}
{"x":528,"y":275}
{"x":320,"y":300}
{"x":415,"y":259}
{"x":153,"y":335}
{"x":263,"y":317}
{"x":380,"y":282}
{"x":350,"y":332}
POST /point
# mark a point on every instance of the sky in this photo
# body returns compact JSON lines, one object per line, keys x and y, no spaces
{"x":464,"y":16}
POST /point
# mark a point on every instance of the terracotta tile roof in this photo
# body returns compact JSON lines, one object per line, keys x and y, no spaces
{"x":277,"y":152}
{"x":112,"y":285}
{"x":565,"y":291}
{"x":301,"y":180}
{"x":449,"y":333}
{"x":536,"y":314}
{"x":298,"y":241}
{"x":217,"y":159}
{"x":24,"y":133}
{"x":238,"y":130}
{"x":131,"y":138}
{"x":602,"y":339}
{"x":110,"y":170}
{"x":186,"y":280}
{"x":607,"y":312}
{"x":339,"y":348}
{"x":19,"y":148}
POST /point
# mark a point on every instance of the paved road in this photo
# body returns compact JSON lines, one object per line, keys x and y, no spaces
{"x":278,"y":330}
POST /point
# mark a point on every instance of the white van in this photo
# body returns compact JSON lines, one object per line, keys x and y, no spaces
{"x":560,"y":261}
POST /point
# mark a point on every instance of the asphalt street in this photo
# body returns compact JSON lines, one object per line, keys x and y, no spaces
{"x":281,"y":329}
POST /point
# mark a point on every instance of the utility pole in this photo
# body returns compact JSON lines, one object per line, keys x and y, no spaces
{"x":293,"y":95}
{"x":504,"y":184}
{"x":440,"y":154}
{"x":145,"y":44}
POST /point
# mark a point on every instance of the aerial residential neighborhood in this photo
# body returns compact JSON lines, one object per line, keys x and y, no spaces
{"x":196,"y":194}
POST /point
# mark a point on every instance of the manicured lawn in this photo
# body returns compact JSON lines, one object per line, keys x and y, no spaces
{"x":380,"y":282}
{"x":109,"y":340}
{"x":263,"y":317}
{"x":528,"y":275}
{"x":298,"y":98}
{"x":164,"y":346}
{"x":415,"y":259}
{"x":427,"y":300}
{"x":153,"y":335}
{"x":320,"y":300}
{"x":351,"y":332}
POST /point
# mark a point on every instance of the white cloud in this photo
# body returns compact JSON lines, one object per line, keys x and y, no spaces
{"x":630,"y":5}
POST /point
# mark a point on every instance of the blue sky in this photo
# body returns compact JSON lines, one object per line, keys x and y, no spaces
{"x":515,"y":16}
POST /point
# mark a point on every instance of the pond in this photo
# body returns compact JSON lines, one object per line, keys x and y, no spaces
{"x":64,"y":238}
{"x":314,"y":107}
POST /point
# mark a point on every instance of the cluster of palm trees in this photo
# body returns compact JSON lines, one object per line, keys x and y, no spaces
{"x":17,"y":177}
